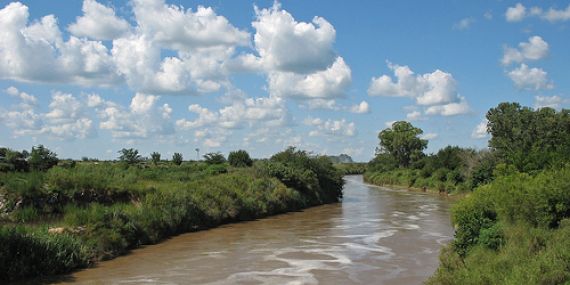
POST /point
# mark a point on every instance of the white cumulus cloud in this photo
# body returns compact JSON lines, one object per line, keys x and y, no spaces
{"x":536,"y":48}
{"x":533,"y":78}
{"x":98,"y":22}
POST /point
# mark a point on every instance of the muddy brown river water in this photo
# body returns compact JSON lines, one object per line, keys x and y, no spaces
{"x":375,"y":236}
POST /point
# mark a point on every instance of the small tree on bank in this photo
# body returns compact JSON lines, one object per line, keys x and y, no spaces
{"x":177,"y":158}
{"x":240,"y":158}
{"x":155,"y":157}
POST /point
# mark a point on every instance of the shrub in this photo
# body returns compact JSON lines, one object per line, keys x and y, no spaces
{"x":240,"y":158}
{"x":177,"y":158}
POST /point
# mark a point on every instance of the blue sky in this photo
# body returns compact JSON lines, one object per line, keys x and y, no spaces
{"x":87,"y":78}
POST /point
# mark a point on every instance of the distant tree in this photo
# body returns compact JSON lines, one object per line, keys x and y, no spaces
{"x":214,"y":158}
{"x":130,"y":156}
{"x":41,"y":158}
{"x":155,"y":156}
{"x":240,"y":158}
{"x":402,"y":142}
{"x":177,"y":158}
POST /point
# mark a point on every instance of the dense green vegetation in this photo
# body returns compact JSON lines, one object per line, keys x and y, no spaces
{"x":513,"y":225}
{"x":72,"y":215}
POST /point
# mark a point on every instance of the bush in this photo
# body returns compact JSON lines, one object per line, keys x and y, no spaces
{"x":26,"y":252}
{"x":240,"y":158}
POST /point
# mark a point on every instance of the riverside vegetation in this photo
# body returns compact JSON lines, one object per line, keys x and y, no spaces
{"x":513,"y":220}
{"x":60,"y":215}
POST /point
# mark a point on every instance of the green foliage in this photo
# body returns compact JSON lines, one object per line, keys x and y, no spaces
{"x":514,"y":230}
{"x":42,"y":159}
{"x":26,"y":252}
{"x":402,"y":142}
{"x":177,"y":158}
{"x":155,"y":157}
{"x":214,"y":158}
{"x":129,"y":156}
{"x":529,"y":139}
{"x":240,"y":158}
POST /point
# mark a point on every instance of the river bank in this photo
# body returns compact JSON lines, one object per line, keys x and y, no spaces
{"x":161,"y":202}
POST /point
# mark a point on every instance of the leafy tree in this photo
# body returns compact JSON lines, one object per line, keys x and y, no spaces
{"x":155,"y":156}
{"x":130,"y":156}
{"x":41,"y":158}
{"x":177,"y":158}
{"x":402,"y":142}
{"x":214,"y":158}
{"x":529,"y":139}
{"x":239,"y":158}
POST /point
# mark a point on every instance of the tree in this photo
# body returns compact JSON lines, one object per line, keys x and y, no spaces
{"x":214,"y":158}
{"x":177,"y":158}
{"x":41,"y":158}
{"x":155,"y":156}
{"x":402,"y":142}
{"x":529,"y":139}
{"x":239,"y":158}
{"x":129,"y":156}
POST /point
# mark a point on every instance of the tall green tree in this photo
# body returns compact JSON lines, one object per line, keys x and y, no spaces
{"x":402,"y":142}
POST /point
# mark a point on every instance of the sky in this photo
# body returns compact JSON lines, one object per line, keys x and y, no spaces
{"x":88,"y":78}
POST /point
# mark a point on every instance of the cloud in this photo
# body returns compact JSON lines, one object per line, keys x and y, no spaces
{"x":98,"y":22}
{"x":286,"y":45}
{"x":66,"y":119}
{"x":480,"y":131}
{"x":298,"y":57}
{"x":200,"y":45}
{"x":361,"y":108}
{"x":530,"y":78}
{"x":329,"y":83}
{"x":331,"y":127}
{"x":436,"y":91}
{"x":414,"y":116}
{"x":23,"y":96}
{"x":252,"y":111}
{"x":554,"y":102}
{"x":519,"y":12}
{"x":429,"y":136}
{"x":516,"y":13}
{"x":464,"y":24}
{"x":554,"y":15}
{"x":536,"y":48}
{"x":450,"y":109}
{"x":37,"y":52}
{"x":143,"y":119}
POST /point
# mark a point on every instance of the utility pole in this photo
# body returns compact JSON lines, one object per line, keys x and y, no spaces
{"x":197,"y":154}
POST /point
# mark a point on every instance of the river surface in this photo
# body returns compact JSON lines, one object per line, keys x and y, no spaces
{"x":375,"y":236}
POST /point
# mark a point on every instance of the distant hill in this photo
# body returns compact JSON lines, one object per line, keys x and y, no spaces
{"x":342,"y":158}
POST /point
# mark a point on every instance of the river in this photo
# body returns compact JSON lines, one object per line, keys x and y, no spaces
{"x":375,"y":236}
